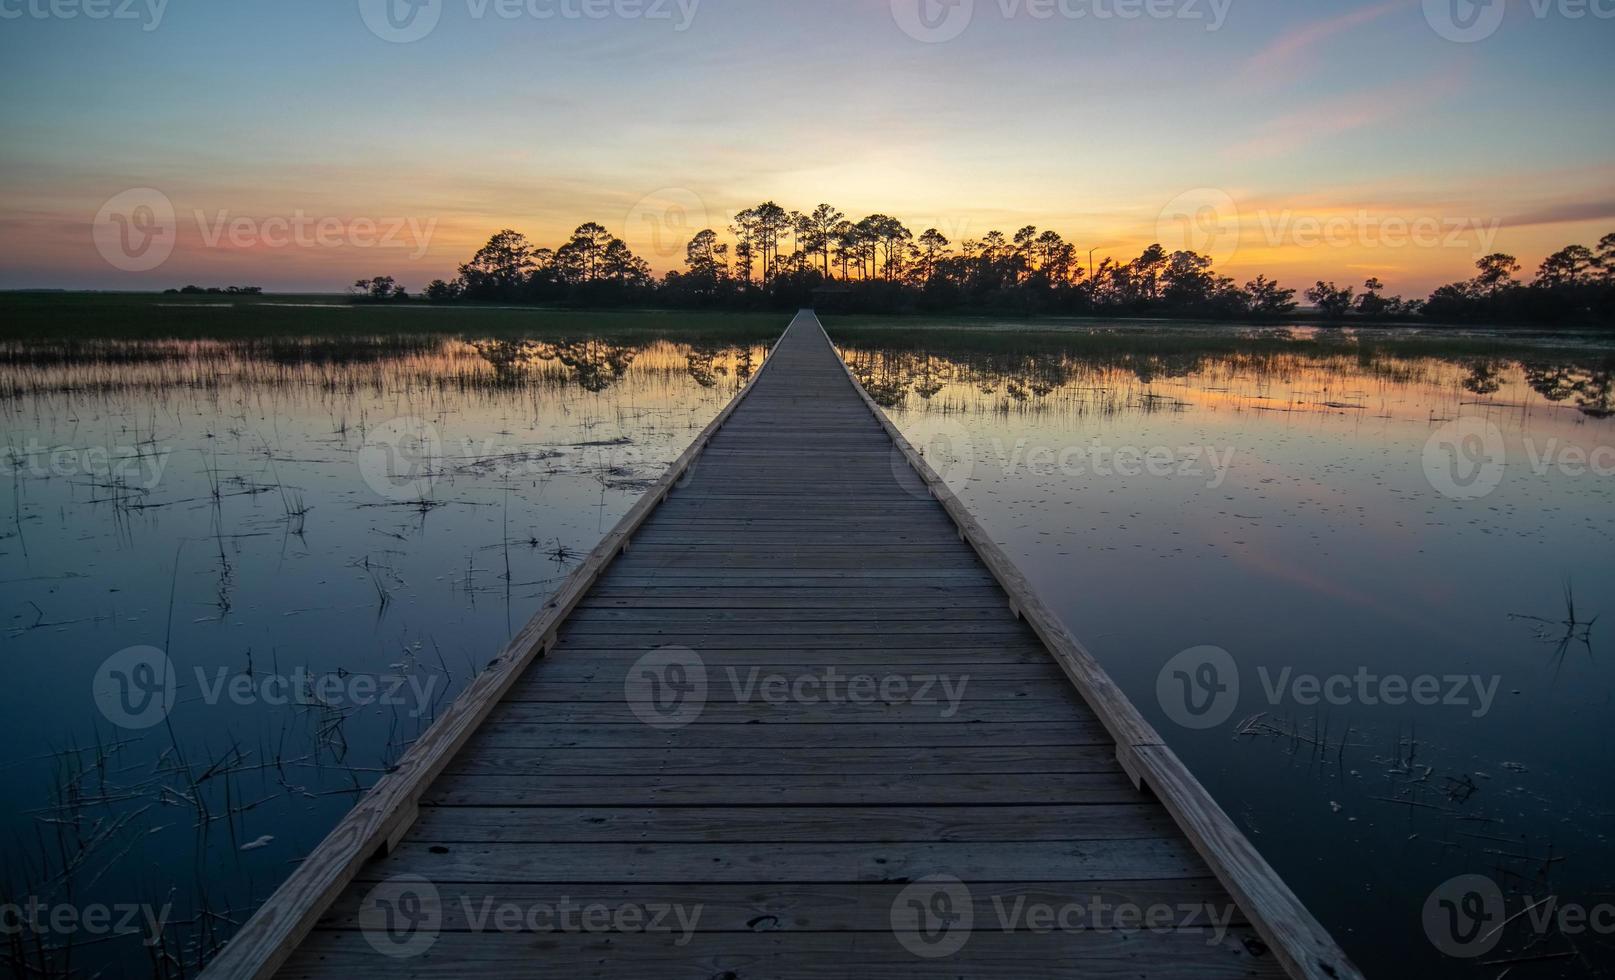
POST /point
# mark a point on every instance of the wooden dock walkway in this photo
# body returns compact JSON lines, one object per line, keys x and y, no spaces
{"x":663,"y":777}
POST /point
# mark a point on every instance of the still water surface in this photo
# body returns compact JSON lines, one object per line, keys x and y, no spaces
{"x":321,"y":540}
{"x":1380,"y":539}
{"x":327,"y":538}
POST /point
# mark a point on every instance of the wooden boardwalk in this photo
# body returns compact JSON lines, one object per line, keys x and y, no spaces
{"x":663,"y":776}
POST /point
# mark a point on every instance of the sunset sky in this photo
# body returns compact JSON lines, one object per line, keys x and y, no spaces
{"x":1324,"y":128}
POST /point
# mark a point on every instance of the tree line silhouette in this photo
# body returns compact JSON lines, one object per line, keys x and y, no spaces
{"x":774,"y":258}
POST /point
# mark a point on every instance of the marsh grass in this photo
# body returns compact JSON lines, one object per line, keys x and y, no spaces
{"x":272,"y":320}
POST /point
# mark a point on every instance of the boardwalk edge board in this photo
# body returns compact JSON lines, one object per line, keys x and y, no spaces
{"x":1294,"y":935}
{"x":384,"y":814}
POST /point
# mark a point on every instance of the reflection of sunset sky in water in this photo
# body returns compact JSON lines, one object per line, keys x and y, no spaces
{"x":1325,"y":550}
{"x":547,"y":457}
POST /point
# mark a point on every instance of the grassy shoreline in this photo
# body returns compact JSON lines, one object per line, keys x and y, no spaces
{"x":68,"y":316}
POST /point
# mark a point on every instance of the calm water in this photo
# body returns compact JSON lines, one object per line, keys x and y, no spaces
{"x":327,"y":538}
{"x":240,"y":577}
{"x":1365,"y":536}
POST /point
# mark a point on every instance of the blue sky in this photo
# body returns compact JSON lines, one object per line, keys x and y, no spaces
{"x":1319,"y":128}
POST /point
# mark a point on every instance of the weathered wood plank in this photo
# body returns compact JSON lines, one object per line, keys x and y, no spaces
{"x":1083,"y":955}
{"x":1096,"y":860}
{"x":738,"y":760}
{"x":558,"y":825}
{"x":810,"y":906}
{"x":761,"y":713}
{"x":500,"y":731}
{"x":876,"y":790}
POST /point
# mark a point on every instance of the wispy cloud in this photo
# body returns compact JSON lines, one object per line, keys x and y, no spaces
{"x":1279,"y":59}
{"x":1572,"y":212}
{"x":1330,"y":117}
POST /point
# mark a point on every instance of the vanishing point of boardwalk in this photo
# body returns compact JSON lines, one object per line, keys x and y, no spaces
{"x":630,"y":751}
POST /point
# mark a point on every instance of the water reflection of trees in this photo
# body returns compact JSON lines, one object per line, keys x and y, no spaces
{"x":1485,"y":377}
{"x":1021,"y":379}
{"x":705,"y":367}
{"x":1590,"y":387}
{"x":593,"y":365}
{"x":1026,"y":379}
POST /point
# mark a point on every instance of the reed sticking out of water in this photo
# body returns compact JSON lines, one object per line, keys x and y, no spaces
{"x":1563,"y":632}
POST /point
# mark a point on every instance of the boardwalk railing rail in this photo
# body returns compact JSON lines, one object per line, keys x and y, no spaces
{"x":1299,"y":941}
{"x":387,"y":810}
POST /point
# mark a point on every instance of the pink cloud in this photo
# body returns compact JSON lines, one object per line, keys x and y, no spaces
{"x":1283,"y":51}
